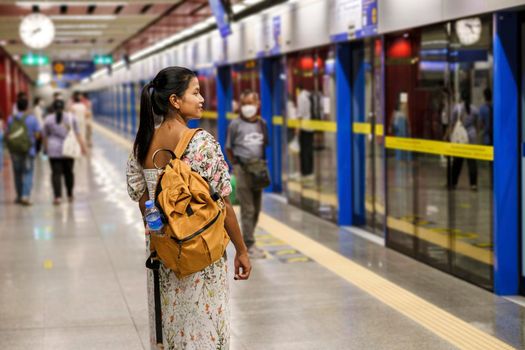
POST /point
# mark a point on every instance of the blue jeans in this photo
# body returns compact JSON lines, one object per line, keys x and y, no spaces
{"x":23,"y":166}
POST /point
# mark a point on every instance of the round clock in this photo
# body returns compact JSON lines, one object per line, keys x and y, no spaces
{"x":468,"y":30}
{"x":37,"y":31}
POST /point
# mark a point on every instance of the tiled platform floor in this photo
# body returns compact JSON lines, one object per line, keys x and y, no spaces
{"x":72,"y":277}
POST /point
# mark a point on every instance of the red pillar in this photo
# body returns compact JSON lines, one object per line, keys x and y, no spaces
{"x":5,"y":86}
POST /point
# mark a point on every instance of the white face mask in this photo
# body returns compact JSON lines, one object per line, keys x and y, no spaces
{"x":248,"y":111}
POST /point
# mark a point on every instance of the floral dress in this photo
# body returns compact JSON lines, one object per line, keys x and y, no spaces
{"x":195,"y":310}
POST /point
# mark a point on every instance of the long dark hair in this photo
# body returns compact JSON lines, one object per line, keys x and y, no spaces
{"x":465,"y":97}
{"x":58,"y":107}
{"x":169,"y":81}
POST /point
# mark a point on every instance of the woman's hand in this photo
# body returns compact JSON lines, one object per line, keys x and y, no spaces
{"x":243,"y":267}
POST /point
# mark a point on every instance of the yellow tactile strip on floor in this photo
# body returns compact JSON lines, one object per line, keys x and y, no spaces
{"x":450,"y":328}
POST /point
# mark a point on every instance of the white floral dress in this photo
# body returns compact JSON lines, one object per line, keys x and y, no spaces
{"x":195,"y":309}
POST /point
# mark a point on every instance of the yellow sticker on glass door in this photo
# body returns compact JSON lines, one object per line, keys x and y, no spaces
{"x":441,"y":148}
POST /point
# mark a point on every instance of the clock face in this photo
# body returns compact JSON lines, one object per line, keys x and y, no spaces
{"x":37,"y":31}
{"x":468,"y":30}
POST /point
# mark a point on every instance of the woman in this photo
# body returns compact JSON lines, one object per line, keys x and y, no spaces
{"x":56,"y":128}
{"x":195,"y":311}
{"x":79,"y":111}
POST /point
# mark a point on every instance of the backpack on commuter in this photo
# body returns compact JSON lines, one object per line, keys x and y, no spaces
{"x":193,"y":214}
{"x":17,"y":137}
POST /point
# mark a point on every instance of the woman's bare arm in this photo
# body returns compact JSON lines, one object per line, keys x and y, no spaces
{"x":242,"y":262}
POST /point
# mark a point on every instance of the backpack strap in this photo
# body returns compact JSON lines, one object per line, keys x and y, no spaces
{"x":184,"y":142}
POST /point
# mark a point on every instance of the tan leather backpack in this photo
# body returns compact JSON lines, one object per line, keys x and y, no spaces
{"x":193,"y":214}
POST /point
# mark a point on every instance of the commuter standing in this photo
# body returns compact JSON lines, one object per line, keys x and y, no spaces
{"x":57,"y":95}
{"x":245,"y":143}
{"x":485,"y":118}
{"x":79,"y":111}
{"x":468,"y":119}
{"x":21,"y":95}
{"x":56,"y":128}
{"x":89,"y":118}
{"x":38,"y":111}
{"x":306,"y":135}
{"x":401,"y":125}
{"x":195,"y":309}
{"x":23,"y":131}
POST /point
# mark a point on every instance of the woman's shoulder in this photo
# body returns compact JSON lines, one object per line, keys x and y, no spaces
{"x":203,"y":143}
{"x":203,"y":137}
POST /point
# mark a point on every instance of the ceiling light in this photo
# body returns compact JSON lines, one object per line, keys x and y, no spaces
{"x":84,"y":18}
{"x":44,"y":78}
{"x":44,"y":4}
{"x":99,"y":73}
{"x":81,"y":26}
{"x":252,"y":2}
{"x":83,"y":33}
{"x":200,"y":26}
{"x":238,"y":8}
{"x":118,"y":65}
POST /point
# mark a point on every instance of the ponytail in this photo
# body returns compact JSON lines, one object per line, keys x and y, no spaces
{"x":465,"y":96}
{"x":146,"y":126}
{"x":58,"y":116}
{"x":58,"y":107}
{"x":155,"y":104}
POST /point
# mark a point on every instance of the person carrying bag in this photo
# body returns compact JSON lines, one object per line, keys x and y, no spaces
{"x":180,"y":174}
{"x":245,"y":147}
{"x":62,"y":144}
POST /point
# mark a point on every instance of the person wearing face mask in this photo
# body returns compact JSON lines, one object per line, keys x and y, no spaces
{"x":246,"y":142}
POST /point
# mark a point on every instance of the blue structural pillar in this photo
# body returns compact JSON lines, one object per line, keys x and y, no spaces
{"x":359,"y":149}
{"x":125,"y":108}
{"x":116,"y":108}
{"x":343,"y":91}
{"x":506,"y":154}
{"x":277,"y":109}
{"x":266,"y":76}
{"x":133,"y":108}
{"x":224,"y":102}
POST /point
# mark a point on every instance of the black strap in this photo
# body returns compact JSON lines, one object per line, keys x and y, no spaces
{"x":153,"y":264}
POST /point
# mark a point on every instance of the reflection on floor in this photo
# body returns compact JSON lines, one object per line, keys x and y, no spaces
{"x":72,"y":277}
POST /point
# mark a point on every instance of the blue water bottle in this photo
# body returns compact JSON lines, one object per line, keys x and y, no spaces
{"x":153,"y":219}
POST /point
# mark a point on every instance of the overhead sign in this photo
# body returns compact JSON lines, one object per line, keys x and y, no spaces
{"x":72,"y":70}
{"x":34,"y":60}
{"x":103,"y":59}
{"x":353,"y":19}
{"x":221,"y":16}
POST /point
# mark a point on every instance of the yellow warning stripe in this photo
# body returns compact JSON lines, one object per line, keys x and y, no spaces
{"x":314,"y":125}
{"x":366,"y":128}
{"x":438,"y":237}
{"x":277,"y":120}
{"x":441,"y":148}
{"x":231,"y":115}
{"x":380,"y":130}
{"x":310,"y":193}
{"x":362,"y":128}
{"x":210,"y":114}
{"x":445,"y":325}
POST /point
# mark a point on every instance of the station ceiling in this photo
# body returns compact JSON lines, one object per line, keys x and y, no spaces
{"x":86,"y":28}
